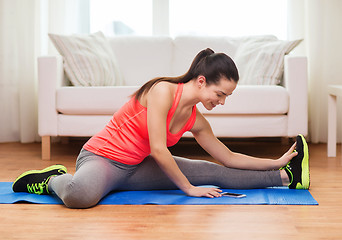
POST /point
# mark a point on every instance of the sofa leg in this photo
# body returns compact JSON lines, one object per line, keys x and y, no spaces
{"x":46,"y":147}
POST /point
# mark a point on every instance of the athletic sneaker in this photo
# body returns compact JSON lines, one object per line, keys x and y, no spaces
{"x":36,"y":181}
{"x":298,"y":168}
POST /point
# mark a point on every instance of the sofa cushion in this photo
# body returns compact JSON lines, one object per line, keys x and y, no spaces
{"x":187,"y":47}
{"x":81,"y":125}
{"x":143,"y":58}
{"x":253,"y":100}
{"x":88,"y":59}
{"x":107,"y":100}
{"x":261,"y":60}
{"x":247,"y":125}
{"x":92,"y":100}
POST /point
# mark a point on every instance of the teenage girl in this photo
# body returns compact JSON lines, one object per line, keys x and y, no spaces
{"x":131,"y":152}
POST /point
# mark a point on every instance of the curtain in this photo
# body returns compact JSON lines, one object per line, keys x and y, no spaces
{"x":23,"y":37}
{"x":319,"y":23}
{"x":17,"y":71}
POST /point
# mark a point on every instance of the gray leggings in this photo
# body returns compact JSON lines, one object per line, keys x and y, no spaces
{"x":96,"y":176}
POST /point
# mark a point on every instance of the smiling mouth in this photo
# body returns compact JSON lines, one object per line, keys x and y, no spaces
{"x":213,"y":105}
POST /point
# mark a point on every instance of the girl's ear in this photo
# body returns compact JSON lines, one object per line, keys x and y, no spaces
{"x":201,"y":81}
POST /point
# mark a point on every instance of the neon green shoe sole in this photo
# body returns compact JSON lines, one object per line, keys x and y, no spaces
{"x":305,"y":167}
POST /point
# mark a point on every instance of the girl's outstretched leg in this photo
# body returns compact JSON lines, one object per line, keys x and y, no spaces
{"x":149,"y":176}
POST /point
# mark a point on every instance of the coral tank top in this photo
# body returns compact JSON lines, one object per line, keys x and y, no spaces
{"x":125,"y":138}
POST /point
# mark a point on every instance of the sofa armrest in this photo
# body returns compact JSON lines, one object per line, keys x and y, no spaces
{"x":296,"y":82}
{"x":50,"y":77}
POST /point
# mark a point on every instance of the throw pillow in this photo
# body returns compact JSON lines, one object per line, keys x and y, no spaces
{"x":88,"y":59}
{"x":261,"y":62}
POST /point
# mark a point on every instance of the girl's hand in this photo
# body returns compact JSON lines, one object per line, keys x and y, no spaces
{"x":204,"y":192}
{"x":285,"y":159}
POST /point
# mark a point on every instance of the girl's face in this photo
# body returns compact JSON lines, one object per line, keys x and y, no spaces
{"x":215,"y":94}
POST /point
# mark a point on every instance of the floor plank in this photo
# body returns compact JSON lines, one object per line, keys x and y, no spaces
{"x":31,"y":221}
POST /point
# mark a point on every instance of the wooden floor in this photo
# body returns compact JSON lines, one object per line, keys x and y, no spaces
{"x":31,"y":221}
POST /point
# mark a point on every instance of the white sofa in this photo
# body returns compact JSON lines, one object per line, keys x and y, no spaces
{"x":252,"y":111}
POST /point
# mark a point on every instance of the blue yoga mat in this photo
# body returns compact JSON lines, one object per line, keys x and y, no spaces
{"x":272,"y":196}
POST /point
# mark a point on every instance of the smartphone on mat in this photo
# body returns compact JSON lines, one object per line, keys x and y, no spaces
{"x":236,"y":195}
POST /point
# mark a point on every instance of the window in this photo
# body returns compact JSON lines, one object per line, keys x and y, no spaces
{"x":228,"y":17}
{"x":183,"y":17}
{"x":118,"y":17}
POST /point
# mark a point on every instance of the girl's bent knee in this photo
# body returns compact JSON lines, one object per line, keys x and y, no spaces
{"x":78,"y":197}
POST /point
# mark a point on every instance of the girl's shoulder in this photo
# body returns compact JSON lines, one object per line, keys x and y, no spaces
{"x":165,"y":86}
{"x":162,"y":91}
{"x":165,"y":89}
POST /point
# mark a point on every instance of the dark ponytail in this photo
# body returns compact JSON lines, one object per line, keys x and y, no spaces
{"x":211,"y":65}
